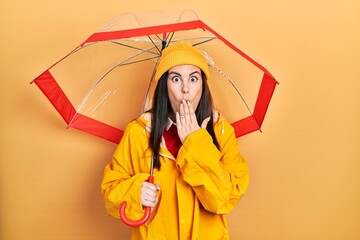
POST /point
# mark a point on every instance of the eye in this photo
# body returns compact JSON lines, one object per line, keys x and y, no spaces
{"x":193,"y":79}
{"x":176,"y":79}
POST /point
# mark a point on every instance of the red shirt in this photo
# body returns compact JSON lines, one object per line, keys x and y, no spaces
{"x":172,"y":140}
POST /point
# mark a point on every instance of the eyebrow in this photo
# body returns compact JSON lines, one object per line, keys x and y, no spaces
{"x":173,"y":72}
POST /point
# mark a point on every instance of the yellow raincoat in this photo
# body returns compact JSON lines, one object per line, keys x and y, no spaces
{"x":197,"y":188}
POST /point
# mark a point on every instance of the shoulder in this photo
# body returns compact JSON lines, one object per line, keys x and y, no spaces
{"x":222,"y":128}
{"x":137,"y":127}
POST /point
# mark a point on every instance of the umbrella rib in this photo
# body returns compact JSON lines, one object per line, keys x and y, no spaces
{"x":205,"y":41}
{"x":208,"y":39}
{"x":128,"y":63}
{"x":155,"y":45}
{"x":169,"y":38}
{"x":162,"y":40}
{"x":132,"y":47}
{"x":157,"y":35}
{"x":114,"y":42}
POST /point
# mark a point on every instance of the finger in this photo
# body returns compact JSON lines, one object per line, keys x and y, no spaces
{"x":150,"y":194}
{"x":205,"y":122}
{"x":145,"y":202}
{"x":182,"y":112}
{"x":178,"y":121}
{"x":149,"y":186}
{"x":148,"y":199}
{"x":192,"y":115}
{"x":186,"y":110}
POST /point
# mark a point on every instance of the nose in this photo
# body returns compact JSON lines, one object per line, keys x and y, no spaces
{"x":185,"y":87}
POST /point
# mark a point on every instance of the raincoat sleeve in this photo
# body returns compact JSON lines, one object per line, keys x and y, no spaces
{"x":218,"y":178}
{"x":122,"y":178}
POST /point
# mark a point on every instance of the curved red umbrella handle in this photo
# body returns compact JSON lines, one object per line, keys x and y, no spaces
{"x":141,"y":221}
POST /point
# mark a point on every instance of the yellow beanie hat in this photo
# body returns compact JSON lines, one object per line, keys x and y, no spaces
{"x":181,"y":53}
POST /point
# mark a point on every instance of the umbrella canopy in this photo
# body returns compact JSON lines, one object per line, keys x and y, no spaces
{"x":107,"y":80}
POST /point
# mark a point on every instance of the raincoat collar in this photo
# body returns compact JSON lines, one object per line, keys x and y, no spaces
{"x":169,"y":124}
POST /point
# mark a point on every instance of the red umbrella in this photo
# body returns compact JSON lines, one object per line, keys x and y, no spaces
{"x":106,"y":81}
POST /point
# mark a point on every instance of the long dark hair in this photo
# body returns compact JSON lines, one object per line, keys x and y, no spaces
{"x":161,"y":109}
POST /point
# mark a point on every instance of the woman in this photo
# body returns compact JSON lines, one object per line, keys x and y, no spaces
{"x":199,"y":173}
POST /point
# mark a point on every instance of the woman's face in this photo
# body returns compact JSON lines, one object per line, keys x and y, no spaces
{"x":184,"y":82}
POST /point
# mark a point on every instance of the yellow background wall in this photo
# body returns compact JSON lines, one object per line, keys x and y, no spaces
{"x":305,"y":166}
